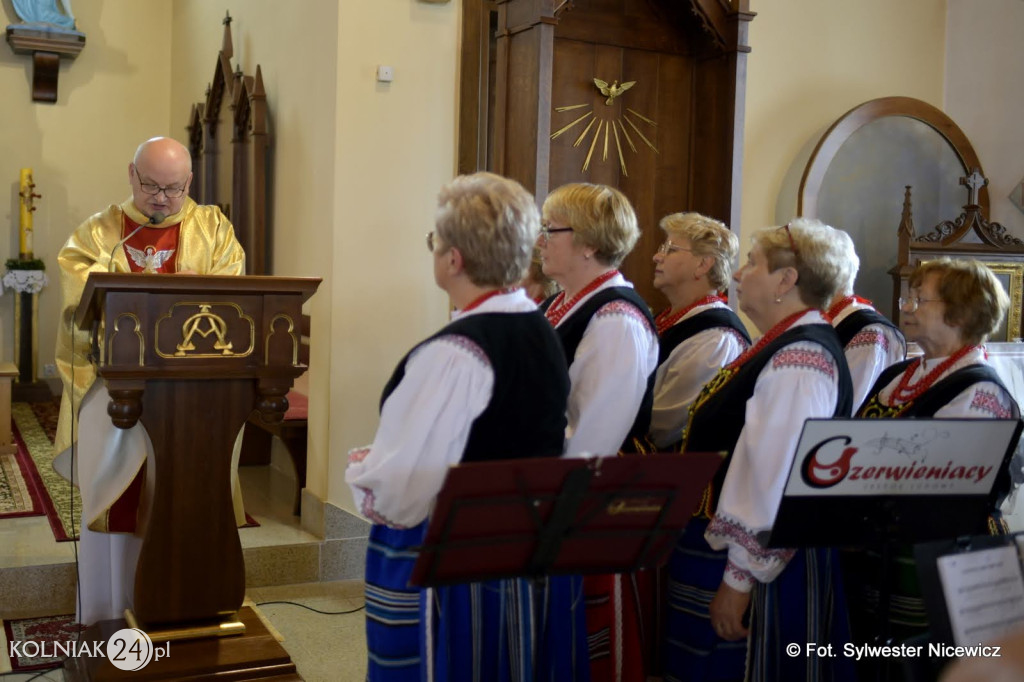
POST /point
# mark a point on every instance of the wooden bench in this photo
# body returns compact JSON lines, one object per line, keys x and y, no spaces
{"x":259,"y":436}
{"x":8,"y":372}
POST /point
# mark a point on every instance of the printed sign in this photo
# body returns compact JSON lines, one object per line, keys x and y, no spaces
{"x":899,"y":456}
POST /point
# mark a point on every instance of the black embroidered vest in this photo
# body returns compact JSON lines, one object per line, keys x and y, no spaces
{"x":526,"y":414}
{"x":853,"y":323}
{"x":719,"y":413}
{"x":691,"y":326}
{"x":932,"y":400}
{"x":571,"y":330}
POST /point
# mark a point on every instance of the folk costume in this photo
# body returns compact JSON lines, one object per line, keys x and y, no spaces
{"x":870,"y":342}
{"x":693,"y":344}
{"x":754,"y":410}
{"x":609,"y":339}
{"x":963,"y":385}
{"x":491,"y":385}
{"x":109,"y":461}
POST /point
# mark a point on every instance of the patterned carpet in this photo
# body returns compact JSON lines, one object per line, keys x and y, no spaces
{"x":19,"y":491}
{"x":44,"y":631}
{"x":37,"y":424}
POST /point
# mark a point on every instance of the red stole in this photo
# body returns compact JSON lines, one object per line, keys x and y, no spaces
{"x":151,"y":249}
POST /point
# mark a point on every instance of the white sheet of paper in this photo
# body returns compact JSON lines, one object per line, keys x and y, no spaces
{"x":984,"y":593}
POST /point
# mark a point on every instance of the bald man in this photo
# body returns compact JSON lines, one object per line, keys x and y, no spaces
{"x":164,"y":231}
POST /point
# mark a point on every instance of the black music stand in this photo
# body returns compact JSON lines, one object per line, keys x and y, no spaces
{"x":547,"y":516}
{"x":877,"y":483}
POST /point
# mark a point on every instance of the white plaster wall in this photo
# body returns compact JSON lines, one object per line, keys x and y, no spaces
{"x":811,"y":62}
{"x":984,"y":93}
{"x":395,"y":147}
{"x":112,"y":97}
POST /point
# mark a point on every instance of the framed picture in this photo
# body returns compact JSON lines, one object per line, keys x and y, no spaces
{"x":1011,"y":275}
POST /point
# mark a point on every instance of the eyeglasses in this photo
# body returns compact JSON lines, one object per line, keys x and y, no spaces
{"x":430,"y":241}
{"x":153,"y":189}
{"x":668,"y":247}
{"x":792,"y":242}
{"x":546,"y":231}
{"x":911,"y":304}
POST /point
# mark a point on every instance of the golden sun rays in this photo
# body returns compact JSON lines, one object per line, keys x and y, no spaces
{"x":608,"y":131}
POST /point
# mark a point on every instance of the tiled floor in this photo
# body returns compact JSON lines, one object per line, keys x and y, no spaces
{"x":325,"y":648}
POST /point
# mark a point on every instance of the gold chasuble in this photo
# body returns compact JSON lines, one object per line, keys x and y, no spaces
{"x":197,"y":239}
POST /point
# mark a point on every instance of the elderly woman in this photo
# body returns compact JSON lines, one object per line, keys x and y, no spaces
{"x":492,"y":384}
{"x":610,"y":344}
{"x":952,"y":308}
{"x":870,"y":341}
{"x":754,"y":410}
{"x":698,"y":334}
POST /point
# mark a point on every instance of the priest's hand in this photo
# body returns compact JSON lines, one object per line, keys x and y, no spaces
{"x":727,"y":609}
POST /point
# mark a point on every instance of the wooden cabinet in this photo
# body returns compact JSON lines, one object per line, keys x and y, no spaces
{"x":672,"y":141}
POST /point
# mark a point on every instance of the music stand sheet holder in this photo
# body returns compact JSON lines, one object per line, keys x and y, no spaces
{"x":547,"y":516}
{"x":973,"y":587}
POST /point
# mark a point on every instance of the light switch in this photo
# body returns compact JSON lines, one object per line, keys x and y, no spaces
{"x":385,"y":74}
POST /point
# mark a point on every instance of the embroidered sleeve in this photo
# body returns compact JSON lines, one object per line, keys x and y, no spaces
{"x":868,"y":354}
{"x":682,"y":376}
{"x":984,"y":400}
{"x":608,"y":376}
{"x":798,"y":384}
{"x":743,"y":567}
{"x":424,"y":427}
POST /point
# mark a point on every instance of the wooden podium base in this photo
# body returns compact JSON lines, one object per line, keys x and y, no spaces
{"x":256,"y":655}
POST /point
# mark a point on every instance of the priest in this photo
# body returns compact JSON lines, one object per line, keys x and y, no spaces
{"x":160,"y":229}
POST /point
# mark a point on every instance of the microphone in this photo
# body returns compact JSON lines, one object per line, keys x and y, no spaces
{"x":155,"y":219}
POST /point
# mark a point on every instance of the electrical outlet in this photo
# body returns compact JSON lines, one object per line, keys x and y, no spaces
{"x":50,"y":371}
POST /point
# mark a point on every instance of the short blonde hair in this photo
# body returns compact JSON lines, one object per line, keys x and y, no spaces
{"x":708,"y":237}
{"x":974,"y":298}
{"x":493,"y":222}
{"x":815,"y":250}
{"x":601,"y":217}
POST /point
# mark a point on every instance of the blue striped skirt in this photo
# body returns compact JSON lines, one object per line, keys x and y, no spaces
{"x":806,"y":603}
{"x":501,"y":630}
{"x":692,"y":649}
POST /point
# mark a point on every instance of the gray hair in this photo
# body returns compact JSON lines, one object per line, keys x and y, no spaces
{"x":815,"y":250}
{"x":493,"y":222}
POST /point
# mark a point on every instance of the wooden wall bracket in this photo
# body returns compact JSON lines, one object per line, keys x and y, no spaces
{"x":46,"y":46}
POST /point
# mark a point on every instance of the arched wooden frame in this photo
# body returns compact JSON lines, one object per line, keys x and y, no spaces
{"x":860,"y":116}
{"x":247,"y":204}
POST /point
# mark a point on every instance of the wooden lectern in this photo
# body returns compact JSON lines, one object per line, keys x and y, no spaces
{"x":191,"y":357}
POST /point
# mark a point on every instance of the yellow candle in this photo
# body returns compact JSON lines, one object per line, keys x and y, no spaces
{"x":25,"y":233}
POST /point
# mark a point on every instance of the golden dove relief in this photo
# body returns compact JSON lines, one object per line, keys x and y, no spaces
{"x":608,"y":128}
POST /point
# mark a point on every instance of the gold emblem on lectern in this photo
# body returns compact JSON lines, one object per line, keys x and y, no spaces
{"x":192,"y":326}
{"x":196,"y":331}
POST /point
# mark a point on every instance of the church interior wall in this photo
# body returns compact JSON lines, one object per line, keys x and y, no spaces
{"x":296,"y":49}
{"x":111,"y":97}
{"x":357,"y":164}
{"x":356,"y":167}
{"x":810,"y":63}
{"x":984,"y":70}
{"x":394,"y":149}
